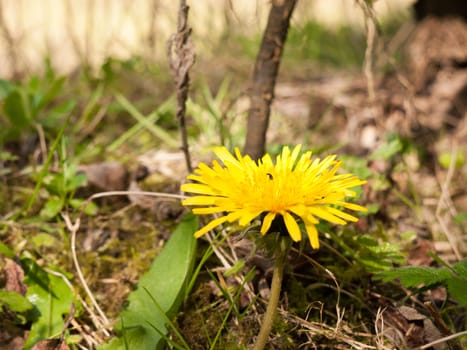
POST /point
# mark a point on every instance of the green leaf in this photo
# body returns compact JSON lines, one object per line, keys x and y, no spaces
{"x":445,"y":160}
{"x":51,"y":208}
{"x":44,"y":240}
{"x":357,"y":166}
{"x":413,"y":276}
{"x":238,"y":266}
{"x":7,"y":156}
{"x":461,"y":268}
{"x":52,"y":299}
{"x":91,"y":207}
{"x":56,"y":183}
{"x":142,"y":326}
{"x":14,"y":301}
{"x":457,"y":287}
{"x":53,"y":115}
{"x":461,"y":218}
{"x":5,"y":88}
{"x":6,"y":251}
{"x":373,"y":264}
{"x":387,"y":150}
{"x":16,"y":107}
{"x":74,"y":339}
{"x":455,"y":278}
{"x":377,"y":256}
{"x":75,"y":181}
{"x":43,"y":96}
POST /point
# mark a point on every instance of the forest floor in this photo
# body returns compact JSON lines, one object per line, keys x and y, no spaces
{"x":405,"y":132}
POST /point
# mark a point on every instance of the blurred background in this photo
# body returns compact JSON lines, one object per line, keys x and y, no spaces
{"x":70,"y":33}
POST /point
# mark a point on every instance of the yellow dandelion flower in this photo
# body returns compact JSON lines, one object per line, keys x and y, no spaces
{"x":294,"y":187}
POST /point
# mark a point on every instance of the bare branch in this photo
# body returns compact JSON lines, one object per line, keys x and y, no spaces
{"x":181,"y":55}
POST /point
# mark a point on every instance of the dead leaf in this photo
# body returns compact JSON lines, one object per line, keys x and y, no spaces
{"x":163,"y":208}
{"x":145,"y":202}
{"x":416,"y":328}
{"x":14,"y":276}
{"x":51,"y":344}
{"x":13,"y":344}
{"x":418,"y":255}
{"x":108,"y":176}
{"x":411,"y":314}
{"x":169,"y":164}
{"x":12,"y":336}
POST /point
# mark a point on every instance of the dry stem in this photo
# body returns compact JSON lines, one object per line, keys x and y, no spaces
{"x":370,"y":25}
{"x":181,"y":58}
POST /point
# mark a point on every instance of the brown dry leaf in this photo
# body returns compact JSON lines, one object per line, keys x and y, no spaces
{"x":13,"y":343}
{"x":12,"y":337}
{"x":418,"y":255}
{"x":14,"y":276}
{"x":163,"y":208}
{"x":416,"y":328}
{"x":107,"y":176}
{"x":169,"y":164}
{"x":411,"y":314}
{"x":145,"y":202}
{"x":51,"y":344}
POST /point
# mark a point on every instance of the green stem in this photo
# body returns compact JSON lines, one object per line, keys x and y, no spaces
{"x":278,"y":272}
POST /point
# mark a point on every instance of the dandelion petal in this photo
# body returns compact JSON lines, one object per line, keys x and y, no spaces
{"x":292,"y":226}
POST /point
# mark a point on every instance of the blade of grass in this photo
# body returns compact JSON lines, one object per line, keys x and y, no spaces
{"x":44,"y":171}
{"x":209,"y":251}
{"x":90,"y":107}
{"x":205,"y":257}
{"x":168,"y":321}
{"x":233,"y":303}
{"x":166,"y":338}
{"x":151,"y":118}
{"x":158,"y":132}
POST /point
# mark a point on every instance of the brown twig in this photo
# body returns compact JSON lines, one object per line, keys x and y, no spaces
{"x":265,"y":74}
{"x":371,"y":31}
{"x":456,"y":244}
{"x":442,"y":340}
{"x":102,"y":320}
{"x":181,"y":58}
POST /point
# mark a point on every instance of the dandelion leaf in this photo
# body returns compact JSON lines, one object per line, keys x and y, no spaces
{"x":457,"y":285}
{"x":461,"y":268}
{"x":143,"y":324}
{"x":413,"y":276}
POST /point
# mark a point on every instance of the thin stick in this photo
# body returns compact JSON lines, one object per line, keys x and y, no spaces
{"x":73,"y":228}
{"x":370,"y":26}
{"x":181,"y":58}
{"x":444,"y":195}
{"x":133,"y":193}
{"x":442,"y":340}
{"x":43,"y":144}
